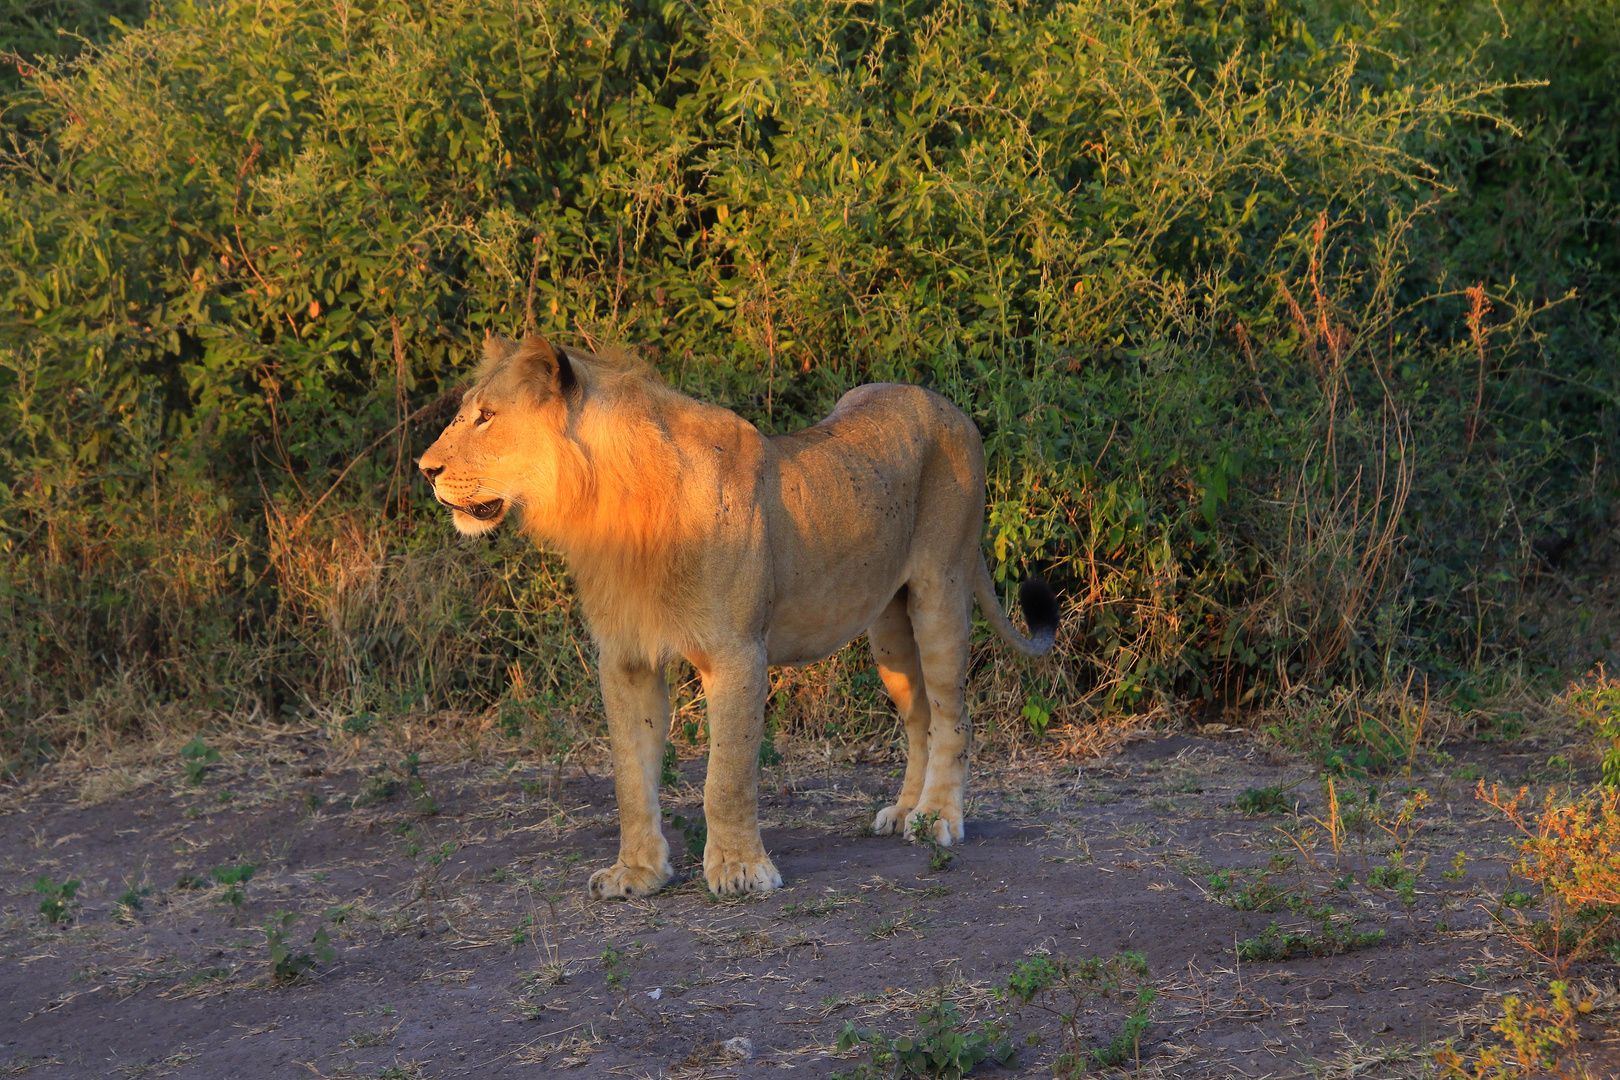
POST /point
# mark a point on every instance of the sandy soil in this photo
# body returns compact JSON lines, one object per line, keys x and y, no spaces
{"x":463,"y":945}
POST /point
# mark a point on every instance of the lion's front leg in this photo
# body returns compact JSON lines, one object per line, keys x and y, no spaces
{"x":637,"y":701}
{"x":734,"y":860}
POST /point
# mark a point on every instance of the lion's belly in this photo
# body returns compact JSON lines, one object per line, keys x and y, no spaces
{"x":811,"y":635}
{"x":826,"y":599}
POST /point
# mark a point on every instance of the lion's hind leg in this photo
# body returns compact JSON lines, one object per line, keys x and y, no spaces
{"x":899,"y":666}
{"x":941,"y":625}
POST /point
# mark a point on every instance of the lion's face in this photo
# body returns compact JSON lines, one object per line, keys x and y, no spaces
{"x":503,"y":448}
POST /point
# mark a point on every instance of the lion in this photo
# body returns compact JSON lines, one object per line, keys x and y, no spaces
{"x":690,"y":534}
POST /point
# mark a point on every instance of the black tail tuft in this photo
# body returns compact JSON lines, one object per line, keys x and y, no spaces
{"x":1040,"y":611}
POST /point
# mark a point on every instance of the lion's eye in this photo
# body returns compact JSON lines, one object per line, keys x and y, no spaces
{"x":484,"y":416}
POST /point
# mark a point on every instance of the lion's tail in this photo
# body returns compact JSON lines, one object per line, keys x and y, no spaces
{"x":1040,"y":611}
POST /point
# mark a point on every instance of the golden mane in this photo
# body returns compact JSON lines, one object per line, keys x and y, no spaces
{"x":604,"y":489}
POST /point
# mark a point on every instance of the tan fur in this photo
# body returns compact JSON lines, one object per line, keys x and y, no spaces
{"x":689,"y":534}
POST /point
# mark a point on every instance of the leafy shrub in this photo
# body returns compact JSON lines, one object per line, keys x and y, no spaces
{"x":1185,"y":266}
{"x":1571,"y":848}
{"x":1539,"y":1038}
{"x":1596,"y":705}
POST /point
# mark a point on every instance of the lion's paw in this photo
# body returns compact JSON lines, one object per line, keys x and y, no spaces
{"x":890,"y":820}
{"x":728,"y":876}
{"x":620,"y":882}
{"x":945,"y":825}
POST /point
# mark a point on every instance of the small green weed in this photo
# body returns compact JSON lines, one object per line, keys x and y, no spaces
{"x":1259,"y":895}
{"x":616,"y":968}
{"x":233,"y":878}
{"x":1257,"y":802}
{"x":1128,"y":1043}
{"x":1397,"y":877}
{"x":196,"y":756}
{"x":1038,"y":713}
{"x":890,"y":925}
{"x":286,"y":965}
{"x":670,"y":774}
{"x":1275,"y":943}
{"x":695,"y":831}
{"x":359,"y":725}
{"x":1069,"y":990}
{"x":208,"y":975}
{"x":769,"y":755}
{"x":940,"y":1048}
{"x":378,"y":787}
{"x":59,"y":899}
{"x":819,"y":908}
{"x":939,"y":856}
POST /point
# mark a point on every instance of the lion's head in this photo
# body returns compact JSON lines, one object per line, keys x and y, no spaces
{"x":507,"y":446}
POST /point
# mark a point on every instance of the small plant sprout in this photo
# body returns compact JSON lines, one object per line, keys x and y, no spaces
{"x":234,"y":878}
{"x":553,"y":972}
{"x":1038,"y":713}
{"x":670,"y":773}
{"x":695,"y":831}
{"x":1257,"y":802}
{"x":59,"y":899}
{"x":939,"y":856}
{"x":286,"y":965}
{"x":196,"y":756}
{"x":940,"y":1047}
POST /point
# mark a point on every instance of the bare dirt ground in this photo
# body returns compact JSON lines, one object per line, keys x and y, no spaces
{"x":463,"y":945}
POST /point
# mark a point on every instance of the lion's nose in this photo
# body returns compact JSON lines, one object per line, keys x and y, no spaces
{"x":431,"y":471}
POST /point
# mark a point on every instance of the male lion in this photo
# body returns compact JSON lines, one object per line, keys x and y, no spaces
{"x":691,"y":534}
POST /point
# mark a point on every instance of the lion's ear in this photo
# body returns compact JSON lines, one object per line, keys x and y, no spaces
{"x":548,"y":364}
{"x":566,"y":379}
{"x":498,"y":347}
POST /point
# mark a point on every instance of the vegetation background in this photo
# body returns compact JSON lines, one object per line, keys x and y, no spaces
{"x":1290,"y":326}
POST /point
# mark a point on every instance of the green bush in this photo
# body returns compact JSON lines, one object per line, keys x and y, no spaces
{"x":1201,"y":273}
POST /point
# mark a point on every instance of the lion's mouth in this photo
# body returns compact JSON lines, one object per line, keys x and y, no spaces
{"x":483,"y":511}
